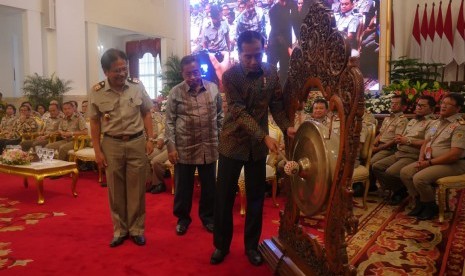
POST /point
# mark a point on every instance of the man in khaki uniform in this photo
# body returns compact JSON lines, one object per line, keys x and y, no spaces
{"x":50,"y":128}
{"x":384,"y":144}
{"x":119,"y":107}
{"x":442,"y":154}
{"x":387,"y":170}
{"x":73,"y":124}
{"x":393,"y":125}
{"x":24,"y":124}
{"x":159,"y":155}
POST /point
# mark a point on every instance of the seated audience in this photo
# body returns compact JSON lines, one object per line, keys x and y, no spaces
{"x":72,"y":124}
{"x":22,"y":125}
{"x":442,"y":154}
{"x":384,"y":144}
{"x":50,"y":128}
{"x":159,"y":155}
{"x":387,"y":170}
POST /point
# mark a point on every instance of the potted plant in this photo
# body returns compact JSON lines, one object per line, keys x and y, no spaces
{"x":171,"y":76}
{"x":42,"y":89}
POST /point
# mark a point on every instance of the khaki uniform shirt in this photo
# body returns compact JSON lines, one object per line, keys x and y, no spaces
{"x":74,"y":123}
{"x":51,"y":125}
{"x":120,"y":112}
{"x":158,"y":125}
{"x":392,"y":125}
{"x":445,"y":134}
{"x":415,"y":130}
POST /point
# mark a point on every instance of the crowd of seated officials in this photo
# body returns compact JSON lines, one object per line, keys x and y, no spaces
{"x":52,"y":127}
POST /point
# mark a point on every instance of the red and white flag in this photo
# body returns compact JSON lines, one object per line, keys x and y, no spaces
{"x":447,"y":41}
{"x":424,"y":37}
{"x":415,"y":40}
{"x":430,"y":37}
{"x":436,"y":53}
{"x":459,"y":38}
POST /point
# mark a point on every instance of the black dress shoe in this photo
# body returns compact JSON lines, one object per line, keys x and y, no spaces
{"x":139,"y":240}
{"x":417,"y":209}
{"x":218,"y":256}
{"x":359,"y":190}
{"x":209,"y":227}
{"x":181,"y":229}
{"x":157,"y":189}
{"x":254,"y":257}
{"x":398,"y":197}
{"x":117,"y":241}
{"x":429,"y":211}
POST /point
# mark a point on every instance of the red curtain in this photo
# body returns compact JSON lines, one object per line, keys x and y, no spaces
{"x":137,"y":49}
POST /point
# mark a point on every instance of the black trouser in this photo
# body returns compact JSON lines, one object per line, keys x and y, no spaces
{"x":228,"y":175}
{"x":184,"y":186}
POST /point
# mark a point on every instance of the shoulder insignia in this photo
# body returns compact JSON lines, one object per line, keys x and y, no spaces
{"x":402,"y":116}
{"x":461,"y":121}
{"x":133,"y":80}
{"x":99,"y":86}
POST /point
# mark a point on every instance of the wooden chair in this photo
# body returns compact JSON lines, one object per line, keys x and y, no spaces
{"x":444,"y":184}
{"x":362,"y":173}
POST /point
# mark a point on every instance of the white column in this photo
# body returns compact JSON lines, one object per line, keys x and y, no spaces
{"x":71,"y":44}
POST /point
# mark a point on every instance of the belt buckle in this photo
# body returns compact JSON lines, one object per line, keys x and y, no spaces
{"x":125,"y":137}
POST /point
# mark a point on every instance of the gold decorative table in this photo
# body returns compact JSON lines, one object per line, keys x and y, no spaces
{"x":40,"y":170}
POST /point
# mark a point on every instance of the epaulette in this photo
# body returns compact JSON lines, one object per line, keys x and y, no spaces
{"x":99,"y":86}
{"x":133,"y":80}
{"x":402,"y":116}
{"x":461,"y":121}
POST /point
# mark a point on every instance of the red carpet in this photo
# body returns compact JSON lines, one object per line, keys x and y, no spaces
{"x":70,"y":236}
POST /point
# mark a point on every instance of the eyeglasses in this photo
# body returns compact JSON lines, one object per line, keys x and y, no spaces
{"x":195,"y":73}
{"x":120,"y":70}
{"x":422,"y":105}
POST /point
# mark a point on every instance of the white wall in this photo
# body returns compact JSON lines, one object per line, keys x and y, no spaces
{"x":70,"y":50}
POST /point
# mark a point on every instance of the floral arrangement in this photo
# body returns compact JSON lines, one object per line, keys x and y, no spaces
{"x":162,"y":100}
{"x":381,"y":102}
{"x":15,"y":157}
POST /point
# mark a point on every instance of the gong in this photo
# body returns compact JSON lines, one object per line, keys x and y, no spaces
{"x":315,"y":152}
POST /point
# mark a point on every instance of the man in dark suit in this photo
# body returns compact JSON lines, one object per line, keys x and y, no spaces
{"x":251,"y":87}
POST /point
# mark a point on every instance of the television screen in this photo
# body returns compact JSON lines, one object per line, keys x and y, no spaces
{"x":216,"y":24}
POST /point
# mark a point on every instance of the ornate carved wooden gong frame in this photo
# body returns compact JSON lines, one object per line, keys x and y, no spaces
{"x":321,"y":61}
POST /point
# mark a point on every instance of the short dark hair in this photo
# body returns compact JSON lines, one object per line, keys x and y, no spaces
{"x":38,"y":105}
{"x":431,"y":101}
{"x":457,"y":97}
{"x":12,"y":106}
{"x":215,"y":11}
{"x":110,"y":56}
{"x":54,"y":104}
{"x":26,"y":106}
{"x":249,"y":37}
{"x":188,"y":60}
{"x":403,"y":101}
{"x":321,"y":100}
{"x":68,"y":103}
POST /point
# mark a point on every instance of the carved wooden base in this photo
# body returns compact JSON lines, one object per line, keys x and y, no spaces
{"x":282,"y":261}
